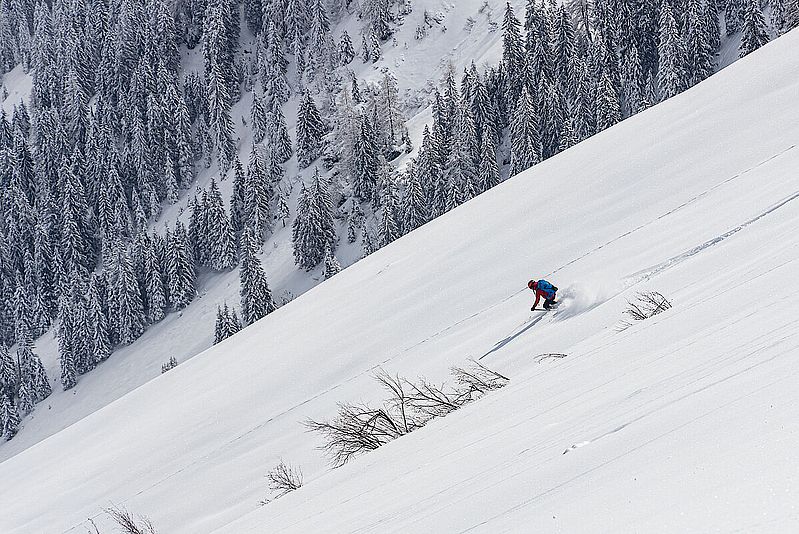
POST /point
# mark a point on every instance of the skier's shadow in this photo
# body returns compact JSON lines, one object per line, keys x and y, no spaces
{"x":510,"y":338}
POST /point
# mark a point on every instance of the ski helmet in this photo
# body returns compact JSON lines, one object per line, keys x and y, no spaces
{"x":531,"y":284}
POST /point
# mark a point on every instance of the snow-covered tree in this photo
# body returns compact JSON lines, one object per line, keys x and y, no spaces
{"x":313,"y":230}
{"x":221,"y":238}
{"x":331,"y":265}
{"x":671,"y":73}
{"x":180,"y":271}
{"x":754,"y":32}
{"x":256,"y":298}
{"x":310,"y":130}
{"x":525,"y":139}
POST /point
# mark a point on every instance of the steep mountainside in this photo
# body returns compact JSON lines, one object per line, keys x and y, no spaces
{"x":686,"y":421}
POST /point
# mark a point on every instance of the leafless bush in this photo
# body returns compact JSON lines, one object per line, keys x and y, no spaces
{"x":478,"y":378}
{"x":129,"y":523}
{"x":359,"y":428}
{"x":647,"y":304}
{"x":283,"y":478}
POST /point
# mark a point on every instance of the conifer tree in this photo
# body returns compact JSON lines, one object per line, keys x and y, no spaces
{"x":484,"y":112}
{"x":608,"y":110}
{"x":96,"y":318}
{"x":256,"y":298}
{"x":179,"y":269}
{"x":332,"y":266}
{"x":346,"y":52}
{"x":75,"y":247}
{"x":320,"y":43}
{"x":784,"y":15}
{"x":512,"y":50}
{"x":489,"y":169}
{"x":65,"y":346}
{"x":154,"y":292}
{"x":26,"y":395}
{"x":130,"y":318}
{"x":365,"y":161}
{"x":732,"y":15}
{"x":27,"y":391}
{"x":39,"y":384}
{"x":671,"y":73}
{"x":221,"y":238}
{"x":282,"y":210}
{"x":234,"y":324}
{"x":632,"y":81}
{"x":278,"y":135}
{"x":221,"y":123}
{"x":699,"y":48}
{"x":9,"y":417}
{"x":258,"y":118}
{"x":389,"y":222}
{"x":220,"y":327}
{"x":525,"y":140}
{"x":238,"y":209}
{"x":8,"y":372}
{"x":313,"y":229}
{"x":464,"y":158}
{"x":310,"y":130}
{"x":415,"y":209}
{"x":754,"y":29}
{"x":258,"y":194}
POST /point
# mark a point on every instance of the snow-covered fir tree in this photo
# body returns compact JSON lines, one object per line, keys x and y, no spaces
{"x":754,"y":32}
{"x":256,"y":298}
{"x":180,"y":272}
{"x":313,"y":230}
{"x":310,"y":130}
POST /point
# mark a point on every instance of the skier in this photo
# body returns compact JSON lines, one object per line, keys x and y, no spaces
{"x":544,"y":289}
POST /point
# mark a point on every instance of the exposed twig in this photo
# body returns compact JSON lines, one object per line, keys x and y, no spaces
{"x":647,"y":304}
{"x":551,"y":355}
{"x":129,"y":523}
{"x":283,"y":479}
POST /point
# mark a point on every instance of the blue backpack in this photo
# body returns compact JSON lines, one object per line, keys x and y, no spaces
{"x":546,"y":287}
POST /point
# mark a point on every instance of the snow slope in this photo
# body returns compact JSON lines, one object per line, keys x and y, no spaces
{"x":188,"y":333}
{"x":685,"y":422}
{"x":419,"y":65}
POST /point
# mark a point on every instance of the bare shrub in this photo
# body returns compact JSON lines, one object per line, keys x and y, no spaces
{"x":129,"y":523}
{"x":478,"y":378}
{"x":359,"y":428}
{"x":283,"y":478}
{"x":647,"y":304}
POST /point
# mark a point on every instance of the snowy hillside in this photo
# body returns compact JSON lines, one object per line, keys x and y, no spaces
{"x":184,"y":335}
{"x":686,"y":421}
{"x":455,"y":35}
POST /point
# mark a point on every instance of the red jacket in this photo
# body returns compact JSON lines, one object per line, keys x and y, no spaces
{"x":538,"y":295}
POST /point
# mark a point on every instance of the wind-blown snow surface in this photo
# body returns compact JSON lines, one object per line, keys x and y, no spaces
{"x":685,"y":422}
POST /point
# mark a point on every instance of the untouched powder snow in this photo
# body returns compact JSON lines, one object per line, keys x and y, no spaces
{"x":685,"y":422}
